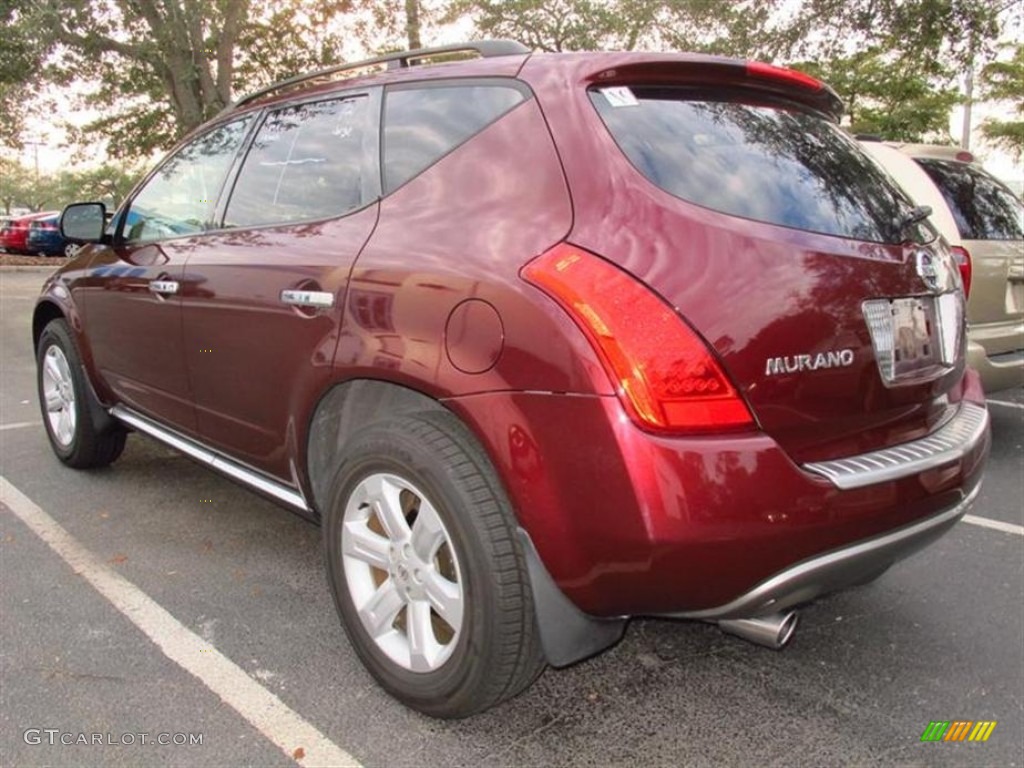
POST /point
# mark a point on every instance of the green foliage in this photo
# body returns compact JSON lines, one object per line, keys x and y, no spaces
{"x":940,"y":34}
{"x":1004,"y":81}
{"x":752,"y":29}
{"x":19,"y":54}
{"x":888,"y":96}
{"x":553,"y":25}
{"x":12,"y":179}
{"x":395,"y":25}
{"x":159,"y":68}
{"x":155,"y":69}
{"x":21,"y":188}
{"x":740,"y":27}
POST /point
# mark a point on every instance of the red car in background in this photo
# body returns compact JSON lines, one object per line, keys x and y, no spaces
{"x":14,"y":234}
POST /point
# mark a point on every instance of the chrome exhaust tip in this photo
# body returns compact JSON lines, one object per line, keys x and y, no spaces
{"x":773,"y":631}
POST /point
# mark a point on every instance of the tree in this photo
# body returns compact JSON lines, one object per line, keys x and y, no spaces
{"x":391,"y":25}
{"x":740,"y":26}
{"x":14,"y":178}
{"x":108,"y":183}
{"x":887,"y":95}
{"x":1004,"y":81}
{"x":18,"y":54}
{"x":159,"y":68}
{"x":557,"y":25}
{"x":942,"y":34}
{"x":22,"y":187}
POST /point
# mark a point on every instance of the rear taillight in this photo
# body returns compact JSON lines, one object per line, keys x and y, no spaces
{"x":664,"y":373}
{"x":963,"y":260}
{"x":790,"y":76}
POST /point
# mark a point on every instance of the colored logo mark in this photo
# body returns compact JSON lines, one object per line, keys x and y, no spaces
{"x":958,"y":730}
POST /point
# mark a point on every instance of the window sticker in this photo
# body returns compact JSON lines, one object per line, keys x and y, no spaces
{"x":620,"y":96}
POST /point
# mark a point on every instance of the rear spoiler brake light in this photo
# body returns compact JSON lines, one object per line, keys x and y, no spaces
{"x":764,"y":71}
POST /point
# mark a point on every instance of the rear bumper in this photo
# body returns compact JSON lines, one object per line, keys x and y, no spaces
{"x":836,"y":570}
{"x":629,"y":523}
{"x":997,"y":371}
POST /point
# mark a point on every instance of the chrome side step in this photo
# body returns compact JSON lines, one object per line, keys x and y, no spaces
{"x":212,"y":459}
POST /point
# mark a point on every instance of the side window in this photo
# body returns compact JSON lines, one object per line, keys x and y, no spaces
{"x":425,"y":122}
{"x":308,"y":161}
{"x":179,"y":198}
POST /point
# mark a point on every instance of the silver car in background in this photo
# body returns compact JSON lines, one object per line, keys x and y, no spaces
{"x":983,"y":221}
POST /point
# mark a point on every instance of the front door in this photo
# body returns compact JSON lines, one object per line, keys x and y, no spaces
{"x":132,"y":294}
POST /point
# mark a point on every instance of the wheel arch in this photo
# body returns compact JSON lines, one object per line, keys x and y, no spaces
{"x":567,"y":634}
{"x":341,"y":412}
{"x":45,"y":312}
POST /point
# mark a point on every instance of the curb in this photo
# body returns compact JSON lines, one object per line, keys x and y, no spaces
{"x":38,"y":270}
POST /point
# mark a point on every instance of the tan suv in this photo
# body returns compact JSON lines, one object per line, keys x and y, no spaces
{"x":984,"y":223}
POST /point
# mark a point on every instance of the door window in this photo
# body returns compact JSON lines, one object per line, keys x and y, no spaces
{"x":309,"y":161}
{"x":179,"y":199}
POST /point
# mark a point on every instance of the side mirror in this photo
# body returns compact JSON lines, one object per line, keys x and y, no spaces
{"x":84,"y":222}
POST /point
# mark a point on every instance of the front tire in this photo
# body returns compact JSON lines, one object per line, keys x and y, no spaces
{"x":426,"y":570}
{"x":64,"y":399}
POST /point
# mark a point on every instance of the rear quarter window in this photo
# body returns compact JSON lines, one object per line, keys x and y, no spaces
{"x":746,"y":156}
{"x":423,"y":123}
{"x":983,"y":208}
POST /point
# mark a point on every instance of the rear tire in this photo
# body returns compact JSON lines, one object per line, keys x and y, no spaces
{"x":64,"y":397}
{"x":426,"y":570}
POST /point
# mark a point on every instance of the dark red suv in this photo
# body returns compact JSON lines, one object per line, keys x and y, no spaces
{"x":543,"y":341}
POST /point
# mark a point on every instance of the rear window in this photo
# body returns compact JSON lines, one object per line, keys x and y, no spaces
{"x":769,"y":162}
{"x":983,"y":208}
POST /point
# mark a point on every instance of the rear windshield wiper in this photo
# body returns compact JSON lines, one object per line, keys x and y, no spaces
{"x":914,"y":216}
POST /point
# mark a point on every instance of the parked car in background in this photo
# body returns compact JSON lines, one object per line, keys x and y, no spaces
{"x":44,"y":238}
{"x":543,"y":341}
{"x":983,"y":221}
{"x":14,"y":235}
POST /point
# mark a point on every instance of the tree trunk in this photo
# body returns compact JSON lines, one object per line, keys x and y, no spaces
{"x":412,"y":24}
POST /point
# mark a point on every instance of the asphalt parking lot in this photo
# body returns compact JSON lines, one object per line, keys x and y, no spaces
{"x":937,"y":638}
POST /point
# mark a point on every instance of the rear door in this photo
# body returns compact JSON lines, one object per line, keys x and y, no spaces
{"x":262,"y":296}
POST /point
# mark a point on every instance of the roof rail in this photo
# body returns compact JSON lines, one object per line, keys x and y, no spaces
{"x":398,"y":60}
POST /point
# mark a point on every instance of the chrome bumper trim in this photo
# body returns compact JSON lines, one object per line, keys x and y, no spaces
{"x":836,"y":570}
{"x":212,"y":459}
{"x":949,"y":443}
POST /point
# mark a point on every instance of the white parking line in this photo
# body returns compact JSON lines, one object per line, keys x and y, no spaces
{"x":19,"y":425}
{"x":1005,"y":404}
{"x":996,"y":525}
{"x":293,"y":735}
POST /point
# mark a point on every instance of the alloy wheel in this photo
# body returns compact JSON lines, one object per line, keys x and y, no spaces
{"x":59,"y":395}
{"x":402,"y":572}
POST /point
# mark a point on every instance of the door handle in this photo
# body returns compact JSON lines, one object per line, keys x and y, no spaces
{"x":163,"y":286}
{"x":316,"y":299}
